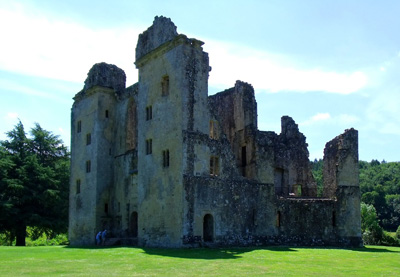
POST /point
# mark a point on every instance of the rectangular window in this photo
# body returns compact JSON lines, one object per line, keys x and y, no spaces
{"x":214,"y":166}
{"x":149,"y":147}
{"x":79,"y":127}
{"x":78,"y":186}
{"x":119,"y":206}
{"x":149,"y":113}
{"x":107,"y":114}
{"x":88,"y":166}
{"x":166,"y":158}
{"x":106,"y":208}
{"x":88,"y":139}
{"x":165,"y":86}
{"x":213,"y":129}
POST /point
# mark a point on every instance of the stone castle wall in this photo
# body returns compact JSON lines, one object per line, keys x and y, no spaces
{"x":174,"y":167}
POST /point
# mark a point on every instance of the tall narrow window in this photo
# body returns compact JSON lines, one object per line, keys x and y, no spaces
{"x":278,"y":219}
{"x":88,"y":139}
{"x":79,"y":127}
{"x":334,"y":219}
{"x":214,"y":166}
{"x":107,"y":114}
{"x":165,"y":86}
{"x":78,"y":186}
{"x":149,"y":113}
{"x":88,"y":166}
{"x":149,"y":147}
{"x":166,"y":158}
{"x":213,"y":129}
{"x":106,"y":208}
{"x":244,"y":160}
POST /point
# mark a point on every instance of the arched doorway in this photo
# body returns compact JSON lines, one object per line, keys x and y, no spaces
{"x":133,"y":227}
{"x":208,"y":228}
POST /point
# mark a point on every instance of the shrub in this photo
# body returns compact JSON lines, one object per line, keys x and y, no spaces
{"x":398,"y":232}
{"x":60,"y":239}
{"x":388,"y":240}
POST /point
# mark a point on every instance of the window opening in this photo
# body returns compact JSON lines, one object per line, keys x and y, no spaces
{"x":334,"y":219}
{"x":278,"y":219}
{"x":166,"y":158}
{"x":133,"y":226}
{"x":79,"y":127}
{"x":214,"y":166}
{"x":88,"y":139}
{"x":88,"y":166}
{"x":149,"y":113}
{"x":213,"y":129}
{"x":78,"y":186}
{"x":107,"y":114}
{"x":119,"y":206}
{"x":244,"y":160}
{"x":208,"y":228}
{"x":165,"y":86}
{"x":106,"y":208}
{"x":149,"y":147}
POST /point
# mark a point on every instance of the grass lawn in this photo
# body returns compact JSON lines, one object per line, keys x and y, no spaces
{"x":126,"y":261}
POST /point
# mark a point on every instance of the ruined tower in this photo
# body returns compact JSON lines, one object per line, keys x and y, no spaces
{"x":173,"y":74}
{"x":92,"y":140}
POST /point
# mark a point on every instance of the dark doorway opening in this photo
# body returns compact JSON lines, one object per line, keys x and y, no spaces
{"x":134,"y":224}
{"x":208,"y":228}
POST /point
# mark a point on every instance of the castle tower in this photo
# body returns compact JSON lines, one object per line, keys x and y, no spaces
{"x":172,"y":98}
{"x":341,"y":181}
{"x":92,"y":141}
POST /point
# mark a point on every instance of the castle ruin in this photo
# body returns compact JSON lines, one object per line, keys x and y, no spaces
{"x":162,"y":164}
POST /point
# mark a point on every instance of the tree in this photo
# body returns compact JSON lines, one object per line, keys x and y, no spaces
{"x":33,"y":183}
{"x":372,"y":233}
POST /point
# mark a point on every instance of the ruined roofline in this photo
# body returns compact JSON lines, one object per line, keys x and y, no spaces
{"x":103,"y":75}
{"x":159,"y":36}
{"x":227,"y":91}
{"x":167,"y":46}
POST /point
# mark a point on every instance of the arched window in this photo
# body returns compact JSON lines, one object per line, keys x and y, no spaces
{"x":208,"y":228}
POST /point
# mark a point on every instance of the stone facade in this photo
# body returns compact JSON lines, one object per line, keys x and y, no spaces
{"x":162,"y":164}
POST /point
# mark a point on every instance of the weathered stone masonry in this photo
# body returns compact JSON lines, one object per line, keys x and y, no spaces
{"x":161,"y":163}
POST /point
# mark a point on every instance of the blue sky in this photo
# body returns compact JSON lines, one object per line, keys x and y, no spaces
{"x":331,"y":65}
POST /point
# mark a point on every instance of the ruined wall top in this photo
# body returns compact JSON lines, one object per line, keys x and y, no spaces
{"x":103,"y":75}
{"x":106,"y":75}
{"x":162,"y":30}
{"x":341,"y":162}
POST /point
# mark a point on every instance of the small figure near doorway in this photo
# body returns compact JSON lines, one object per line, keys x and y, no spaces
{"x":103,"y":237}
{"x":98,"y":238}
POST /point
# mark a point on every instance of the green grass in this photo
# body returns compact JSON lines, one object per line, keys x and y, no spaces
{"x":125,"y":261}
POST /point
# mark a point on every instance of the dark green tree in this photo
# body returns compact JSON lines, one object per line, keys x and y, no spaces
{"x":33,"y":183}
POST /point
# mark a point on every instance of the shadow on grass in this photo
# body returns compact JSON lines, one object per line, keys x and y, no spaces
{"x":199,"y":253}
{"x":373,"y":249}
{"x":227,"y":253}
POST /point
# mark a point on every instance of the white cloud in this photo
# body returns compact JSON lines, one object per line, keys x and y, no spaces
{"x":40,"y":45}
{"x":316,"y":118}
{"x":324,"y":118}
{"x":36,"y":44}
{"x":274,"y":72}
{"x":11,"y":116}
